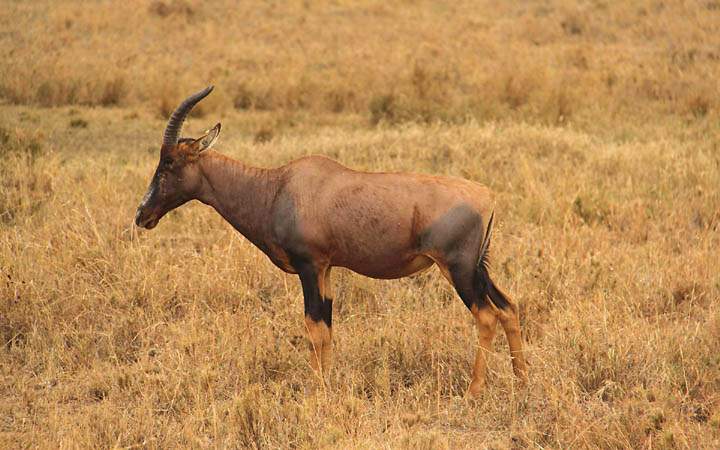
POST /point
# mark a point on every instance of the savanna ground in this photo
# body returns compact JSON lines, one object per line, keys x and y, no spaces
{"x":596,"y":123}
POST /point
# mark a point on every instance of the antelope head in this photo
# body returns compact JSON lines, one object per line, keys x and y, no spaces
{"x":178,"y":177}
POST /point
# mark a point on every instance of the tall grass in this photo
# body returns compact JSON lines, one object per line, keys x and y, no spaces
{"x":187,"y":336}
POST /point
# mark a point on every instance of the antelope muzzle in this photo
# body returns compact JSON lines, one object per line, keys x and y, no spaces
{"x":145,"y":218}
{"x":148,"y":216}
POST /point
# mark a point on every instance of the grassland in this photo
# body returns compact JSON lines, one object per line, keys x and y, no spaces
{"x":595,"y":122}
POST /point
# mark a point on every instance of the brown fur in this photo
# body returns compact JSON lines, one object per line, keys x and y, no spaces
{"x":313,"y":214}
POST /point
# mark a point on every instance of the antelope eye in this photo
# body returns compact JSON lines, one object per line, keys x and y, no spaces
{"x":167,"y":161}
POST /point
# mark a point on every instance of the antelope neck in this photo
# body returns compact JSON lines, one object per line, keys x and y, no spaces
{"x":241,"y":194}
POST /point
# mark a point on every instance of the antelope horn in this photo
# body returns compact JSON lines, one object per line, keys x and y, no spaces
{"x":172,"y":131}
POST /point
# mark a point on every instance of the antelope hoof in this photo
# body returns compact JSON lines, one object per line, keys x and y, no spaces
{"x":522,"y":378}
{"x":476,"y":388}
{"x":521,"y":373}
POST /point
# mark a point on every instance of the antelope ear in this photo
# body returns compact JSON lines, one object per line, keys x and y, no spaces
{"x":208,"y":140}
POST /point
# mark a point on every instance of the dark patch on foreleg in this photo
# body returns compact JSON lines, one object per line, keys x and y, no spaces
{"x":318,"y":313}
{"x":320,"y":309}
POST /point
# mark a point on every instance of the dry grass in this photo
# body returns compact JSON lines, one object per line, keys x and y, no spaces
{"x":551,"y":62}
{"x":187,"y":336}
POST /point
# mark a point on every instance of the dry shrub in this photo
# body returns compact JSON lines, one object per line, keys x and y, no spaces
{"x":382,"y":109}
{"x":574,"y":24}
{"x":701,"y":99}
{"x":52,"y":93}
{"x":20,"y":143}
{"x":113,"y":92}
{"x":517,"y":88}
{"x":78,"y":123}
{"x":244,"y":98}
{"x":263,"y":135}
{"x":171,"y":8}
{"x":339,"y":100}
{"x":591,"y":210}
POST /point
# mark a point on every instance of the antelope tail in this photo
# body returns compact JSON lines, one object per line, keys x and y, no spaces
{"x":487,"y":291}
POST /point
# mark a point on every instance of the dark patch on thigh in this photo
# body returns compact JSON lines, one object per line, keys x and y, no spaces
{"x":453,"y":231}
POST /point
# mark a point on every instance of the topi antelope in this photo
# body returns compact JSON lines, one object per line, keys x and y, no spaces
{"x":314,"y":214}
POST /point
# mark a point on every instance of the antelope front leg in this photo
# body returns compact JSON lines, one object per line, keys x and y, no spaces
{"x":318,"y":316}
